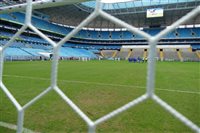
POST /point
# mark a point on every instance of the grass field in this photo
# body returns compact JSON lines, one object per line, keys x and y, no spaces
{"x":99,"y":87}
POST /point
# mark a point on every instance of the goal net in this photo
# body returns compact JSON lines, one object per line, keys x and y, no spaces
{"x":152,"y":40}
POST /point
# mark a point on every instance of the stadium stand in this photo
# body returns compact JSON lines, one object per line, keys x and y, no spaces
{"x":33,"y":51}
{"x":95,"y":39}
{"x":105,"y":37}
{"x":170,"y":55}
{"x":109,"y":53}
{"x":189,"y":55}
{"x":137,"y":53}
{"x":123,"y":53}
{"x":16,"y":52}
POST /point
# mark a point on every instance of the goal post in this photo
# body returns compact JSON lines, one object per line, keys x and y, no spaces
{"x":153,"y":40}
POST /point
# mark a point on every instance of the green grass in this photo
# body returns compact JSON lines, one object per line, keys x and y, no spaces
{"x":99,"y":87}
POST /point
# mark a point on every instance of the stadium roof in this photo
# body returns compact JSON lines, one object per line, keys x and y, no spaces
{"x":124,"y":4}
{"x":132,"y":12}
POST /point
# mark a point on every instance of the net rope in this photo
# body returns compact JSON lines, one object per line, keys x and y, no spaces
{"x":152,"y":40}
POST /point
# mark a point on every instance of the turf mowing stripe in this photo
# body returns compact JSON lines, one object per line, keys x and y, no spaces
{"x":104,"y":84}
{"x":14,"y":127}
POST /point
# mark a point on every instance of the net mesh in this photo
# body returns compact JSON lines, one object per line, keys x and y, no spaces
{"x":56,"y":46}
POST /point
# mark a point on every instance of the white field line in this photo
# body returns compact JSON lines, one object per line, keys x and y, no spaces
{"x":102,"y":84}
{"x":14,"y":127}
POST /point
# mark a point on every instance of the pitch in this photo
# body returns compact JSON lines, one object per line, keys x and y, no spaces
{"x":99,"y":87}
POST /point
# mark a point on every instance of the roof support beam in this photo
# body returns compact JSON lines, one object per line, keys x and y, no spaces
{"x":39,"y":5}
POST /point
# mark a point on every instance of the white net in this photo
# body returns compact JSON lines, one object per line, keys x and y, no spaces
{"x":56,"y":46}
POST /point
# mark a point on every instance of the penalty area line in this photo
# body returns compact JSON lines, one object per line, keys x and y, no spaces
{"x":103,"y":84}
{"x":14,"y":127}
